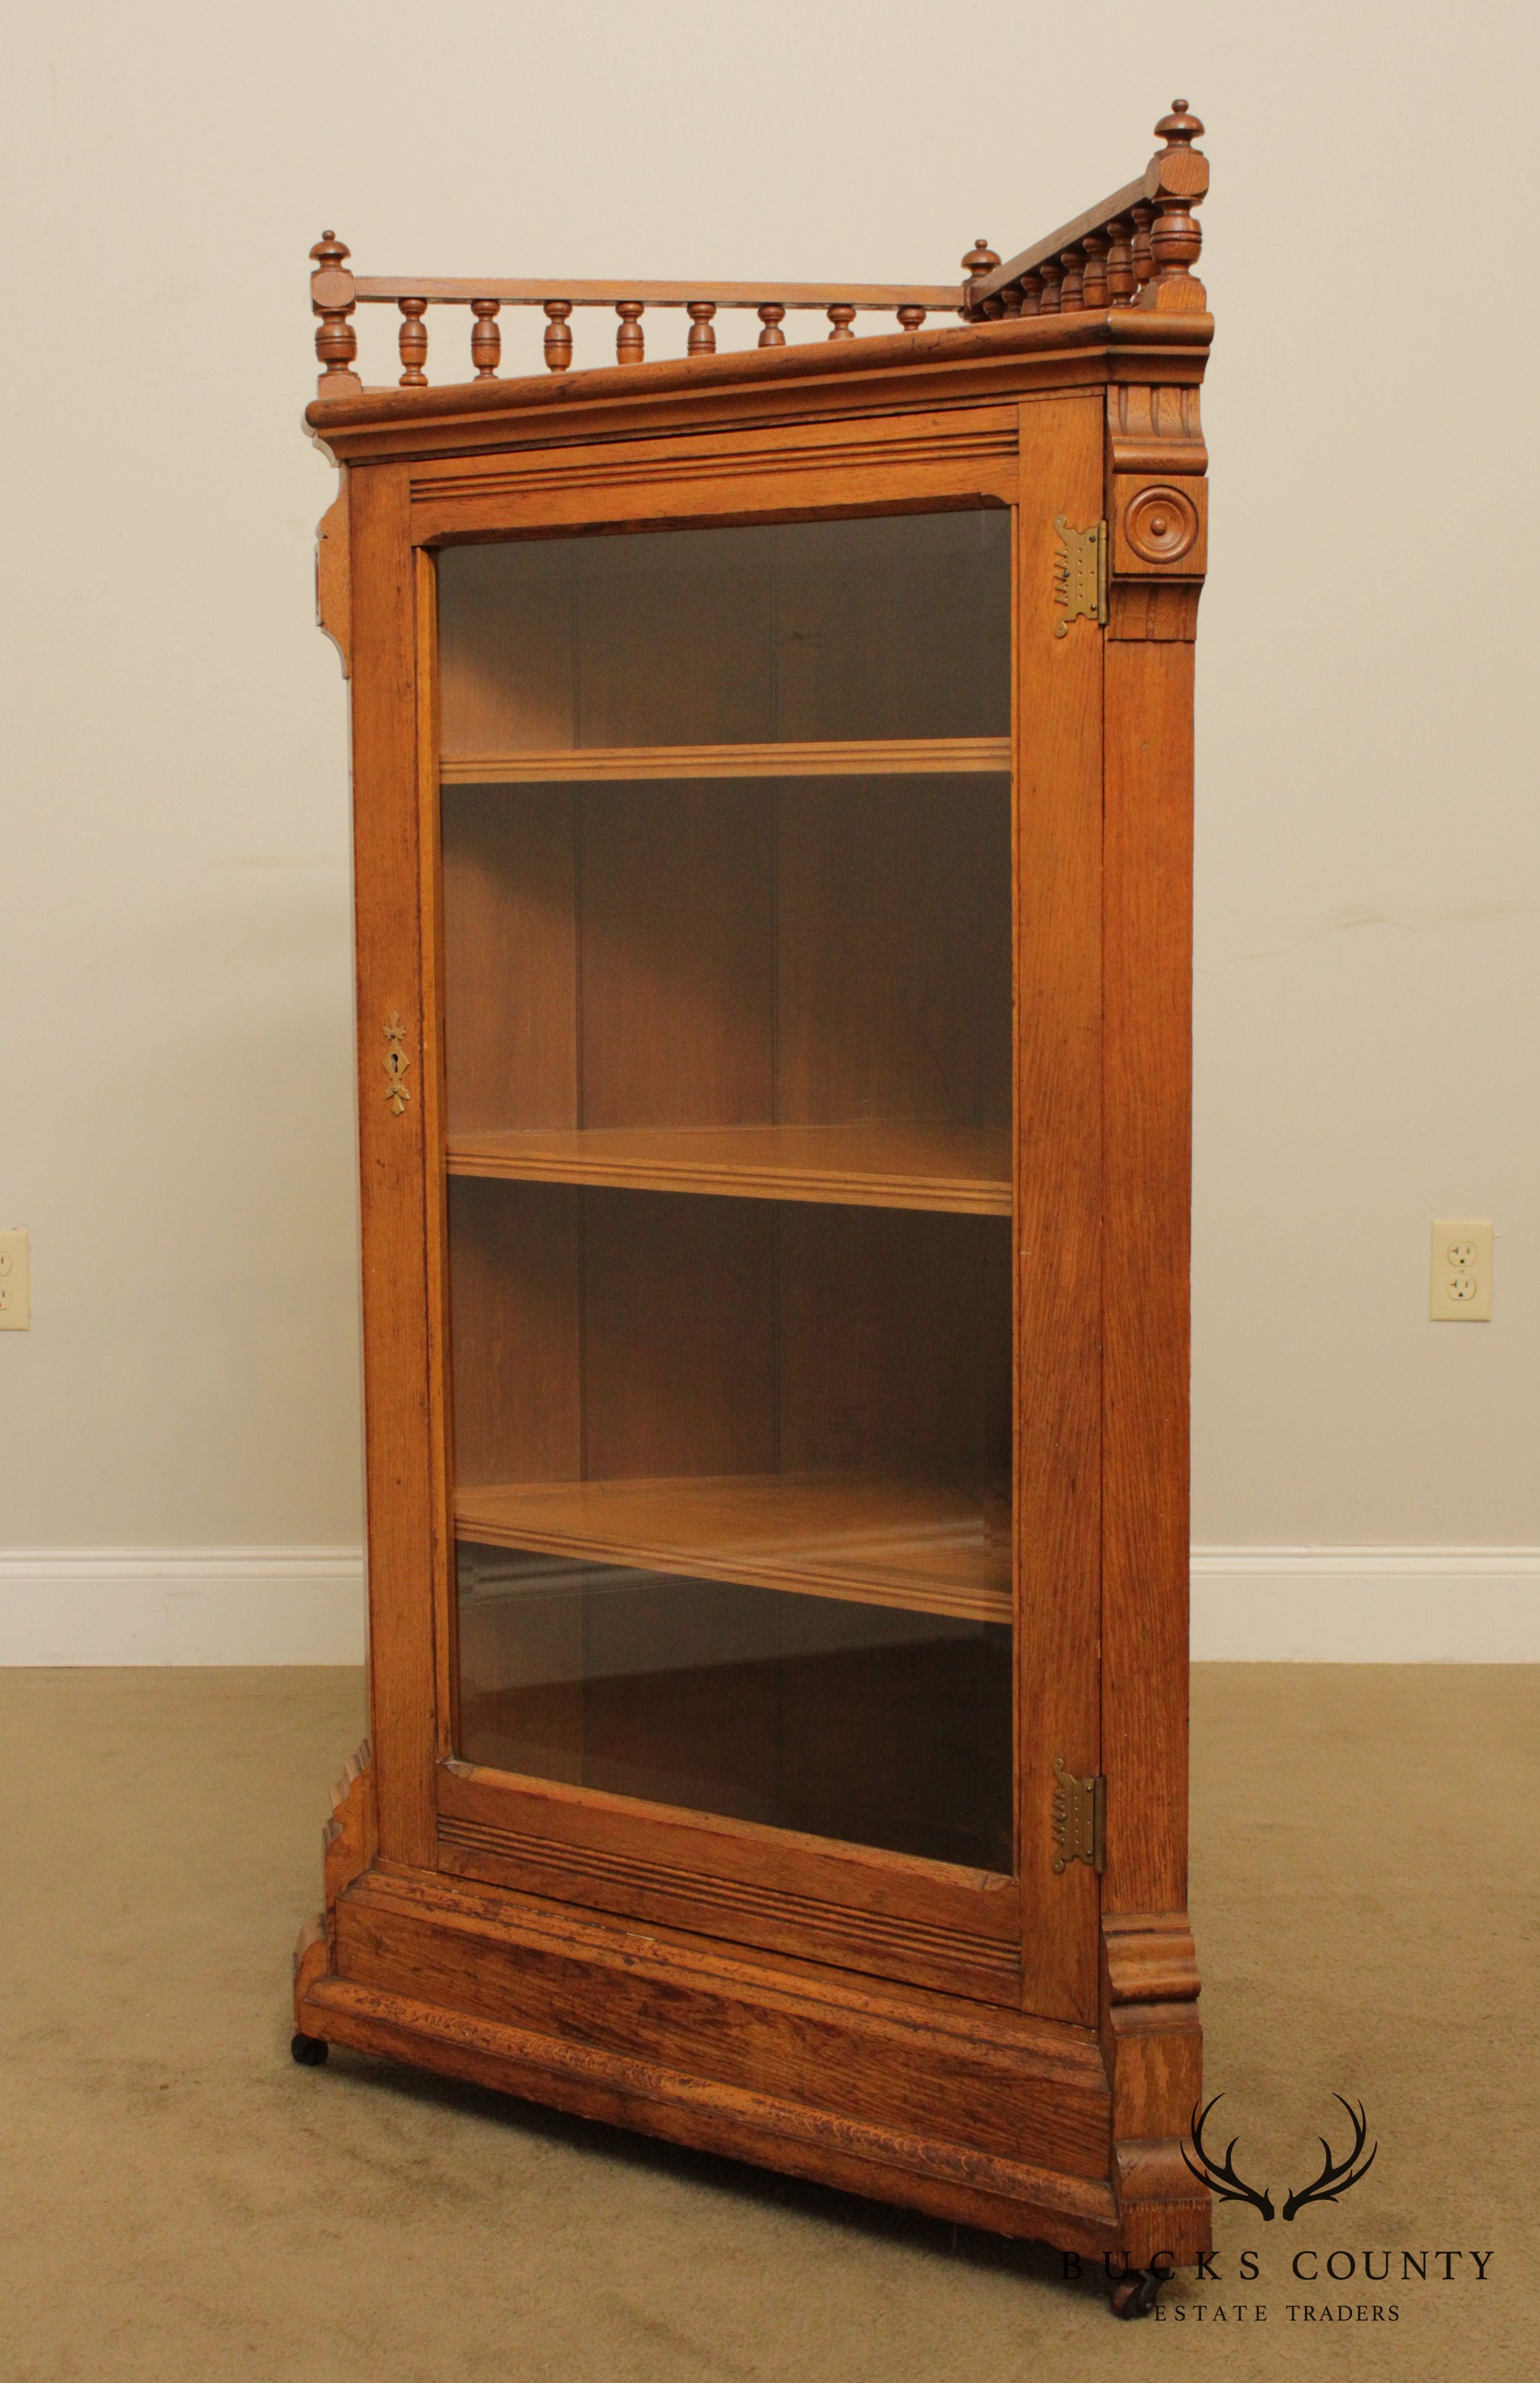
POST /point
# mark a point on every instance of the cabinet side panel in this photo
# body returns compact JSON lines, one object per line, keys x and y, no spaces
{"x":1058,"y":1194}
{"x":391,"y":1129}
{"x":1148,"y":1174}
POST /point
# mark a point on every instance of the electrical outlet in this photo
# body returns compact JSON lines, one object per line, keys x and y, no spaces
{"x":1459,"y":1278}
{"x":16,"y":1281}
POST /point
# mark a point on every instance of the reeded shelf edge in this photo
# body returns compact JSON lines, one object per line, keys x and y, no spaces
{"x":964,"y":1170}
{"x":924,"y":1547}
{"x":864,"y":756}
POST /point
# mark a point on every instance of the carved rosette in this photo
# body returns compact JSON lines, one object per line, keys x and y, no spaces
{"x":1157,"y":513}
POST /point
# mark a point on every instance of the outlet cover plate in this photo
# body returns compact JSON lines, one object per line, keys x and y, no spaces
{"x":16,"y":1281}
{"x":1460,"y":1271}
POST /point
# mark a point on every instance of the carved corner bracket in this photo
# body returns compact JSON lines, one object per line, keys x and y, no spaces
{"x":348,"y":1842}
{"x":332,"y":577}
{"x":1151,"y":2044}
{"x":350,"y":1837}
{"x":1157,"y":513}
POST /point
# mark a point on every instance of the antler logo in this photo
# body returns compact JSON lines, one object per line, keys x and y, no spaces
{"x":1333,"y":2181}
{"x":1336,"y":2174}
{"x":1223,"y":2182}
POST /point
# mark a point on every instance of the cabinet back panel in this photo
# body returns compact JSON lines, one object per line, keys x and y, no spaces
{"x":717,"y":953}
{"x":893,"y":907}
{"x":514,"y":1349}
{"x":894,"y":627}
{"x":895,"y":1342}
{"x":677,"y":954}
{"x":507,"y":637}
{"x":891,"y":625}
{"x":645,"y":1335}
{"x":509,"y":957}
{"x":678,"y":1335}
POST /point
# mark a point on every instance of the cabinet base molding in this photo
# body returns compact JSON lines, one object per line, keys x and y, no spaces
{"x":984,"y":2116}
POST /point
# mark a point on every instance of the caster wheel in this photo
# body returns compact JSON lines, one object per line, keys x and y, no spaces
{"x":1136,"y":2293}
{"x":309,"y":2050}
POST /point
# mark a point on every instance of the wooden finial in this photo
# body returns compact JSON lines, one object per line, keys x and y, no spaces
{"x":332,"y":298}
{"x":911,"y":317}
{"x":772,"y":335}
{"x":414,"y":342}
{"x":1094,"y":289}
{"x":558,"y":334}
{"x":1175,"y":181}
{"x":628,"y":338}
{"x":486,"y":339}
{"x":842,"y":318}
{"x":703,"y":336}
{"x":980,"y":260}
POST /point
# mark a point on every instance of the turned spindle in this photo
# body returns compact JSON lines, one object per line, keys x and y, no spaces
{"x":910,"y":318}
{"x":1176,"y":182}
{"x":628,"y":338}
{"x":703,"y":334}
{"x":1070,"y":298}
{"x":1031,"y":293}
{"x":486,"y":337}
{"x":1093,"y":286}
{"x":414,"y":342}
{"x":772,"y":335}
{"x":1010,"y":300}
{"x":557,"y":342}
{"x":1052,"y":275}
{"x":332,"y":298}
{"x":1122,"y":280}
{"x":842,"y":318}
{"x":980,"y":260}
{"x":1144,"y":263}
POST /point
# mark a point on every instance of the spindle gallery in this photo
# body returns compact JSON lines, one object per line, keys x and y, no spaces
{"x":772,"y":802}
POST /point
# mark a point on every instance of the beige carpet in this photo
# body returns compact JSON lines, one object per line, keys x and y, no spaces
{"x":178,"y":2201}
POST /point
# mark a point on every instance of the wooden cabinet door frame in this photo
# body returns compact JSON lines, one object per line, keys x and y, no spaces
{"x":1032,"y":1943}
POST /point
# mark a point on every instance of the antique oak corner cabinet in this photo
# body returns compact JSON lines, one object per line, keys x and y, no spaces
{"x":772,"y":781}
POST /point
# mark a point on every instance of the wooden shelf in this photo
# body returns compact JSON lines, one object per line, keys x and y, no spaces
{"x":926,"y":1545}
{"x":904,"y":757}
{"x":966,"y":1170}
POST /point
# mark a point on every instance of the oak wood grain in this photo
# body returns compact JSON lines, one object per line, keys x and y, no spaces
{"x":923,"y":1545}
{"x":963,"y":1169}
{"x":1148,"y":1170}
{"x":904,"y":757}
{"x":1058,"y":1390}
{"x":398,"y":1437}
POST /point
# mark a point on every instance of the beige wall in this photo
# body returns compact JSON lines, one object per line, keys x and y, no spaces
{"x":174,"y":967}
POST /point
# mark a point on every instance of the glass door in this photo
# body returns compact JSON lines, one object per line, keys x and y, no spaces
{"x":726,"y":870}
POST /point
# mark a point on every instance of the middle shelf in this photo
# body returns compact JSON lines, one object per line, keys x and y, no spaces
{"x":964,"y":1169}
{"x":930,"y":1546}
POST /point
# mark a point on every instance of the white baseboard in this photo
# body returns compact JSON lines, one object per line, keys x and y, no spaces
{"x":1366,"y":1605}
{"x":181,"y":1605}
{"x":305,"y":1605}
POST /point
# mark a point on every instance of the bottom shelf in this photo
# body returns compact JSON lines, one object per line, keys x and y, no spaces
{"x":931,"y":1547}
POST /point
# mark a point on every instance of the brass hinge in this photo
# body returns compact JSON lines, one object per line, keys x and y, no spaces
{"x":1079,"y":1819}
{"x":1080,"y":575}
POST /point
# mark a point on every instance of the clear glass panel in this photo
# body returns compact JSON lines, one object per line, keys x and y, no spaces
{"x":896,"y":626}
{"x":728,"y":1122}
{"x":843,"y":1720}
